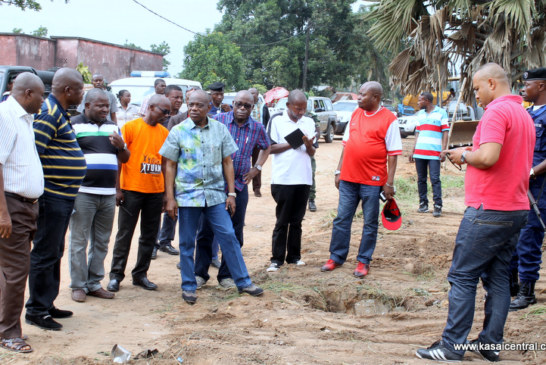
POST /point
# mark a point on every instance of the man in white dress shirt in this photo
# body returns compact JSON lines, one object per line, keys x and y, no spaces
{"x":21,"y":184}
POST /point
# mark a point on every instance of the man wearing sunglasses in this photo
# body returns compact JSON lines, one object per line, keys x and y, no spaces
{"x":140,"y":191}
{"x":248,"y":134}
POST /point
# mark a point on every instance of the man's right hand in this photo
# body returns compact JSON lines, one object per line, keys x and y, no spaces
{"x":5,"y":225}
{"x":119,"y":198}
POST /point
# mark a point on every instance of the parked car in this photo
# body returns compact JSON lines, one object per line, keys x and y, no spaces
{"x":344,"y":109}
{"x":8,"y":73}
{"x":143,"y":86}
{"x":318,"y":108}
{"x":407,"y":124}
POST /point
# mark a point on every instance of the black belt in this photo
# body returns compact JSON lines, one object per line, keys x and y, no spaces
{"x":21,"y":198}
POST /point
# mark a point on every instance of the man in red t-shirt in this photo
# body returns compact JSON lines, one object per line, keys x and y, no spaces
{"x":496,"y":183}
{"x":367,"y":165}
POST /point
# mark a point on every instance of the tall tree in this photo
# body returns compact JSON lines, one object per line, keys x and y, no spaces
{"x":40,"y":32}
{"x":164,"y":49}
{"x":213,"y":57}
{"x":461,"y":33}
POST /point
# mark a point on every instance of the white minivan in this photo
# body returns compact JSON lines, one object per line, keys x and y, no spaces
{"x":141,"y":84}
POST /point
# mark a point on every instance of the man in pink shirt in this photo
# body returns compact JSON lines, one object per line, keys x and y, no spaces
{"x":496,"y":183}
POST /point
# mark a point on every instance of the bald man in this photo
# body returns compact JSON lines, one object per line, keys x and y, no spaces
{"x":291,"y":177}
{"x":21,"y":184}
{"x":362,"y":174}
{"x":140,"y":192}
{"x":496,"y":184}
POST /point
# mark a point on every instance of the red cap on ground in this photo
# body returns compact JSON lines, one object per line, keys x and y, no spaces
{"x":391,"y":215}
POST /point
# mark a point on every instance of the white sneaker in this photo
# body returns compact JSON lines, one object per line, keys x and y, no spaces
{"x":300,"y":263}
{"x":200,"y":281}
{"x":273,"y":267}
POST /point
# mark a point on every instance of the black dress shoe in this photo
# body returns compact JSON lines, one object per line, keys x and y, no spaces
{"x":59,"y":313}
{"x":168,"y":248}
{"x":144,"y":283}
{"x":113,"y":285}
{"x":44,"y":322}
{"x":154,"y":253}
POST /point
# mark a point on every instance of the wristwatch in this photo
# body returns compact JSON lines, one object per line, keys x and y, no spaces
{"x":258,"y":167}
{"x":125,"y":147}
{"x":337,"y":172}
{"x":232,"y":194}
{"x":463,"y":159}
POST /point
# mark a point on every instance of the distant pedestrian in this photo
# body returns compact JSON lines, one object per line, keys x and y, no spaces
{"x":496,"y":183}
{"x":430,"y":140}
{"x":126,"y":111}
{"x":159,"y":88}
{"x":21,"y":184}
{"x":367,"y":165}
{"x":260,"y":113}
{"x":217,"y":97}
{"x":93,"y":215}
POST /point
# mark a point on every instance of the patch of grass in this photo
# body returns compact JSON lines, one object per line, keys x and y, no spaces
{"x":279,"y":287}
{"x":538,"y":311}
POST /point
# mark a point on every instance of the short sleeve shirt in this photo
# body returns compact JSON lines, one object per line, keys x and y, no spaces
{"x":431,"y":128}
{"x":199,"y":152}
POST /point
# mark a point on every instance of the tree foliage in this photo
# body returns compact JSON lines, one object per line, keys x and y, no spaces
{"x":442,"y":34}
{"x":24,"y":4}
{"x":40,"y":32}
{"x":213,"y":57}
{"x":164,"y":49}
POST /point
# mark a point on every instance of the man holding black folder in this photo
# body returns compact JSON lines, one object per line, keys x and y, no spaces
{"x":292,"y":137}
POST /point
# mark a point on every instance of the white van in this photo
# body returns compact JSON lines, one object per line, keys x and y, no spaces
{"x":141,"y":84}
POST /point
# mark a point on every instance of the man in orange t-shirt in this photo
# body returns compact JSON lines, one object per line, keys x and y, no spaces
{"x":140,"y":191}
{"x":371,"y":146}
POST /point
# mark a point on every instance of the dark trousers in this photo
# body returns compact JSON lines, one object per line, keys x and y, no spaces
{"x":257,"y":181}
{"x":167,"y":231}
{"x":15,"y":265}
{"x":291,"y":205}
{"x":45,"y":258}
{"x":149,"y":206}
{"x":433,"y":166}
{"x":205,"y":238}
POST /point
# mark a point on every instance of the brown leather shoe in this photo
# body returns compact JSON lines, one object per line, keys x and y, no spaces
{"x":257,"y":193}
{"x":101,"y":293}
{"x":78,"y":295}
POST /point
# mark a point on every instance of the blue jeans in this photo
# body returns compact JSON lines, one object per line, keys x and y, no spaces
{"x":483,"y":248}
{"x":91,"y":222}
{"x":45,"y":258}
{"x":204,"y":252}
{"x":350,"y":194}
{"x":422,"y":164}
{"x":220,"y":223}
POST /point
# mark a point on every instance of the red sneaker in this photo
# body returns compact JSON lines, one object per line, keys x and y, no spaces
{"x":361,"y":270}
{"x":329,"y":265}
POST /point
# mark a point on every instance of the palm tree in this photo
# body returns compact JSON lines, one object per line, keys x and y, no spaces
{"x":465,"y":34}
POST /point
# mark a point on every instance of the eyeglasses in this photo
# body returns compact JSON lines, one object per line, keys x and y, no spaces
{"x":164,"y":111}
{"x":457,"y":166}
{"x":238,"y":105}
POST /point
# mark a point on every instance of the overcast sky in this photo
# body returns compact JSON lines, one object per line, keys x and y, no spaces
{"x":118,"y":21}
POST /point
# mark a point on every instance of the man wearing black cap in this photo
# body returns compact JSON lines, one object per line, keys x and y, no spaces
{"x":527,"y":259}
{"x":217,"y":96}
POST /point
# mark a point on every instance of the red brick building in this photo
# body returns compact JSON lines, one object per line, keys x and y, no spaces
{"x":111,"y":60}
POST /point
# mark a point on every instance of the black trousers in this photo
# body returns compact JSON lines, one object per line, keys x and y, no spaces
{"x":291,"y":206}
{"x":149,"y":206}
{"x":45,"y":258}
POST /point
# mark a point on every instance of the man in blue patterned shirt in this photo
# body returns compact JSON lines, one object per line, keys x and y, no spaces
{"x":248,"y":134}
{"x":198,"y":153}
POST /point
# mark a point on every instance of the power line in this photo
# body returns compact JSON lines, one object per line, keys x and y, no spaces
{"x":162,"y":17}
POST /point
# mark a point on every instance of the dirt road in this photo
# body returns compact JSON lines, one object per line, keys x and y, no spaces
{"x":305,"y":316}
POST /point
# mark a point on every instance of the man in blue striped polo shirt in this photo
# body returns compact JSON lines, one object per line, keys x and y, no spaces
{"x":64,"y":169}
{"x":95,"y":206}
{"x":430,"y":139}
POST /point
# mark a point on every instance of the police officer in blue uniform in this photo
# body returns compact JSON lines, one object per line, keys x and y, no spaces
{"x":528,"y":255}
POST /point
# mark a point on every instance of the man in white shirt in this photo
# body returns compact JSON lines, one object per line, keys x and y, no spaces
{"x":291,"y":177}
{"x":21,"y":184}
